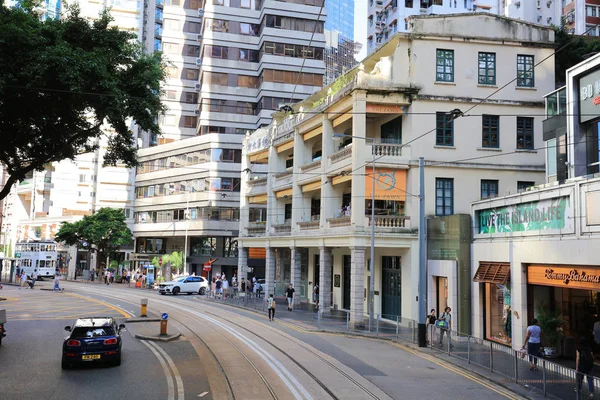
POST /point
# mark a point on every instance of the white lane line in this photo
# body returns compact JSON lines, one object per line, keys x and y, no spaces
{"x":170,"y":386}
{"x":178,"y":380}
{"x":290,"y":381}
{"x":203,"y":394}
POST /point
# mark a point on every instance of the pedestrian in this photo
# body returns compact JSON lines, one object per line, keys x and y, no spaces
{"x":24,"y":282}
{"x":271,"y":307}
{"x":112,"y":277}
{"x":431,"y":325}
{"x":57,"y":284}
{"x":243,"y":286}
{"x":289,"y":294}
{"x":18,"y":273}
{"x":219,"y":286}
{"x":533,"y":341}
{"x":254,"y":288}
{"x":225,"y":286}
{"x":106,"y":277}
{"x":584,"y":364}
{"x":213,"y":287}
{"x":316,"y":295}
{"x":128,"y":278}
{"x":34,"y":277}
{"x":447,"y":317}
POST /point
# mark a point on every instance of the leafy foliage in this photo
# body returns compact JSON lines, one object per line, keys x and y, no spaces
{"x":576,"y":49}
{"x":64,"y":82}
{"x":550,"y":323}
{"x":105,"y":230}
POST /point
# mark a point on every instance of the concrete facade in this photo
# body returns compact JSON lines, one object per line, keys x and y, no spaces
{"x":316,"y":190}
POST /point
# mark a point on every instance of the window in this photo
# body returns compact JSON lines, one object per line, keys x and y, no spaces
{"x":194,"y":27}
{"x":189,"y":122}
{"x":525,"y":133}
{"x":525,"y":76}
{"x":172,"y":72}
{"x":203,"y":246}
{"x":191,"y":74}
{"x":171,"y":94}
{"x":489,"y":131}
{"x":489,"y":189}
{"x":195,"y":4}
{"x":444,"y":135}
{"x":444,"y":63}
{"x":171,"y":48}
{"x":551,"y":157}
{"x":523,"y":185}
{"x":193,"y":51}
{"x":230,"y":247}
{"x":216,"y":52}
{"x":444,"y":196}
{"x":82,"y":178}
{"x":288,"y":212}
{"x":391,"y":132}
{"x":191,"y":98}
{"x":487,"y":69}
{"x":408,"y":3}
{"x":172,"y":24}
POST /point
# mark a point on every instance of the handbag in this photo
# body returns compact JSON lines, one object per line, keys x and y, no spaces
{"x":522,"y":353}
{"x":442,"y":324}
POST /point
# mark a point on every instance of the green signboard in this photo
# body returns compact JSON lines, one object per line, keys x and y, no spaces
{"x":547,"y":216}
{"x":17,"y":255}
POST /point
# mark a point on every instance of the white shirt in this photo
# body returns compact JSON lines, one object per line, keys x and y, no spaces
{"x":225,"y":284}
{"x":23,"y":277}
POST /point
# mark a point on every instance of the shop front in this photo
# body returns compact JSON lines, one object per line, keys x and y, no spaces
{"x":495,"y":277}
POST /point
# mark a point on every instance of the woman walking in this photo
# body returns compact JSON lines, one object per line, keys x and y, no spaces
{"x":584,"y":363}
{"x":533,"y":341}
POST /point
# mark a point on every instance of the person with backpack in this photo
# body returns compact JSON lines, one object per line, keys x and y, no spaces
{"x":584,"y":364}
{"x":533,"y":341}
{"x":271,"y":307}
{"x":219,"y":286}
{"x":316,"y":295}
{"x":445,"y":324}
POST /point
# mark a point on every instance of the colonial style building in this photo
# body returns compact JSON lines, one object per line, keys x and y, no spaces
{"x":306,"y":198}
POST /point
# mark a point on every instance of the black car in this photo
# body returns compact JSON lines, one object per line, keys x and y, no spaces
{"x":93,"y":339}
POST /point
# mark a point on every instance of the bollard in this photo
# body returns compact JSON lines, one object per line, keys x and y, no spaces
{"x":163,"y":327}
{"x":144,"y":303}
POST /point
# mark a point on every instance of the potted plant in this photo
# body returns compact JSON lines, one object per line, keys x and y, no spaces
{"x":552,"y":330}
{"x":118,"y":279}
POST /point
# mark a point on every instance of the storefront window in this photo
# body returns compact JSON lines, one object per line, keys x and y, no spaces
{"x":499,"y":317}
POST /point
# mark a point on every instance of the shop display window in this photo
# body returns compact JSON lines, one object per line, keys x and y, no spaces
{"x":499,"y":318}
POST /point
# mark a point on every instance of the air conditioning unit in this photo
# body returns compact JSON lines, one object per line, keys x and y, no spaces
{"x":198,"y":61}
{"x":549,"y":3}
{"x":549,"y":20}
{"x":199,"y":37}
{"x":200,"y":12}
{"x":198,"y":86}
{"x":539,"y":19}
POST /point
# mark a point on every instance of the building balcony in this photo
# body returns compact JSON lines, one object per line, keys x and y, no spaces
{"x":308,"y":225}
{"x":311,"y":166}
{"x":256,"y":230}
{"x":337,"y":222}
{"x":390,"y":223}
{"x":257,"y":186}
{"x":283,"y":180}
{"x":341,"y":158}
{"x":284,"y":229}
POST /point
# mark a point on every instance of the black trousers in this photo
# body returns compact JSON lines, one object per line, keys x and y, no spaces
{"x":271,"y":313}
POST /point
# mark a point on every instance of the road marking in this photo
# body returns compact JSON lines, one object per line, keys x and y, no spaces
{"x":170,"y":385}
{"x":202,"y":394}
{"x":121,"y":311}
{"x":175,"y":371}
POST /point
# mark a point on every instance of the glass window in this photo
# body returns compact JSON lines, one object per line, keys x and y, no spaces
{"x":444,"y":129}
{"x":489,"y":189}
{"x":525,"y":133}
{"x":288,"y":211}
{"x":391,"y":132}
{"x":490,"y":130}
{"x":230,"y":247}
{"x":551,"y":157}
{"x":444,"y":62}
{"x":523,"y":185}
{"x":487,"y":69}
{"x":499,"y":314}
{"x":525,"y":71}
{"x":444,"y":196}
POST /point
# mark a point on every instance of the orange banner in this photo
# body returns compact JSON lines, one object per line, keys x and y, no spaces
{"x":390,"y":184}
{"x":257,"y":252}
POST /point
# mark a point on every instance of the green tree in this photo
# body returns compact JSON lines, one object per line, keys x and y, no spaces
{"x":64,"y":81}
{"x":573,"y":50}
{"x":104,"y":232}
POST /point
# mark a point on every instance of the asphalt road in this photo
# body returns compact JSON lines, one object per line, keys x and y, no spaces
{"x":30,"y":355}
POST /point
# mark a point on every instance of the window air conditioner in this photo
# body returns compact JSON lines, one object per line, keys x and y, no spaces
{"x":200,"y":12}
{"x":198,"y":61}
{"x":198,"y":86}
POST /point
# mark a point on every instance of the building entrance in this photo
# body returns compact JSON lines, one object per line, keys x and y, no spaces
{"x":391,"y":285}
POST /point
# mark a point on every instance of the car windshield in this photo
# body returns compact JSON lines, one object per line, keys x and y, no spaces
{"x":92,"y":332}
{"x":179,"y":279}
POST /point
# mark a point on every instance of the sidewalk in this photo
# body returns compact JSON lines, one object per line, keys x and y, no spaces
{"x":491,"y":360}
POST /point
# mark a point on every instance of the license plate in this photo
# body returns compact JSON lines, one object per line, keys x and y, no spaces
{"x":90,"y":357}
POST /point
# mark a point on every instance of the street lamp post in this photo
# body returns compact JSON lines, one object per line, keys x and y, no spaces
{"x":372,"y":261}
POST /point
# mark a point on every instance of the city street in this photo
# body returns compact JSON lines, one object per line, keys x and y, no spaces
{"x":223,"y":353}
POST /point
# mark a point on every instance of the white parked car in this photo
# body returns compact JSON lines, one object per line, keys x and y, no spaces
{"x":184,"y":284}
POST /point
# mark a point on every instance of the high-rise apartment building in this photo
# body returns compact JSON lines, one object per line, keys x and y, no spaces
{"x":340,"y":48}
{"x":233,"y":62}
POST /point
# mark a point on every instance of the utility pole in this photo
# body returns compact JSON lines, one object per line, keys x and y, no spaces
{"x":422,"y":297}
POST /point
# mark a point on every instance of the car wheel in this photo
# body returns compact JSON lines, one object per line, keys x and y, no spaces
{"x":117,"y":361}
{"x":202,"y":291}
{"x":176,"y":291}
{"x":65,"y":364}
{"x":163,"y":293}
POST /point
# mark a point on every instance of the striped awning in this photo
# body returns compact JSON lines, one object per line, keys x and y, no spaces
{"x":492,"y":272}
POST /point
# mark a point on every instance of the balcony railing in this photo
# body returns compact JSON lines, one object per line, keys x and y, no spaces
{"x":304,"y":226}
{"x":282,"y":175}
{"x":387,"y":221}
{"x":311,"y":166}
{"x":340,"y":155}
{"x":258,"y":182}
{"x":339,"y":221}
{"x":256,"y":230}
{"x":282,"y":229}
{"x":394,"y":150}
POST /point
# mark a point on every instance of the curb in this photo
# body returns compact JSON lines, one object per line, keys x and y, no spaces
{"x":157,"y":338}
{"x":142,"y":319}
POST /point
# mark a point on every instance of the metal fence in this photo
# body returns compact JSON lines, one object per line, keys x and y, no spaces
{"x":545,"y":376}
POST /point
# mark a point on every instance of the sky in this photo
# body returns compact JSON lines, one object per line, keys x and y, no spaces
{"x":360,"y":26}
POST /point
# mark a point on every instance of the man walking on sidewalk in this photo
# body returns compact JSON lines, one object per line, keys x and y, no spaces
{"x":446,"y":316}
{"x":34,"y":277}
{"x":271,"y":307}
{"x":56,"y":284}
{"x":289,"y":293}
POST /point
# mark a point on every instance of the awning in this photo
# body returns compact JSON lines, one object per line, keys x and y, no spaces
{"x":341,"y":179}
{"x":341,"y":119}
{"x":260,"y":199}
{"x":309,"y":187}
{"x":285,"y":146}
{"x":492,"y":272}
{"x":313,"y":133}
{"x":283,"y":193}
{"x":263,"y":155}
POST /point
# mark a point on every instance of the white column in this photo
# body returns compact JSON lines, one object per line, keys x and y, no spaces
{"x":242,"y":263}
{"x":296,"y":268}
{"x":359,"y":157}
{"x":357,"y":285}
{"x":326,"y":265}
{"x":270,"y":271}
